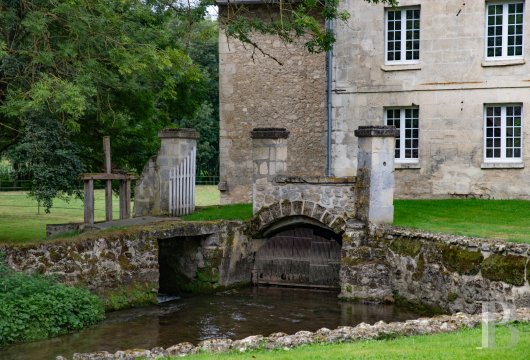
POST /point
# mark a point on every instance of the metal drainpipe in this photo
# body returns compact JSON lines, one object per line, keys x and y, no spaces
{"x":329,"y":79}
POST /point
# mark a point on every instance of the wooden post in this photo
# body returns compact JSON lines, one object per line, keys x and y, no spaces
{"x":125,"y":199}
{"x":108,"y":185}
{"x":89,"y":201}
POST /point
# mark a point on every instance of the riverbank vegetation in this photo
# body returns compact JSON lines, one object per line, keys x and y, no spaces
{"x":463,"y":344}
{"x":34,"y":307}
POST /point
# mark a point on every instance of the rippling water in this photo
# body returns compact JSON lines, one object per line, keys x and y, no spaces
{"x":233,"y":314}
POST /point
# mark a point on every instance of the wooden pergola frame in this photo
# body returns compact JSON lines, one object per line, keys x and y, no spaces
{"x":108,"y":176}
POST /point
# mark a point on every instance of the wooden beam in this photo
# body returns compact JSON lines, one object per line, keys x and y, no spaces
{"x":105,"y":176}
{"x":106,"y":151}
{"x":89,"y":201}
{"x":108,"y":185}
{"x":125,"y":199}
{"x":108,"y":200}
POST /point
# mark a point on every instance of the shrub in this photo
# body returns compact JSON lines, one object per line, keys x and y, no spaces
{"x":34,"y":307}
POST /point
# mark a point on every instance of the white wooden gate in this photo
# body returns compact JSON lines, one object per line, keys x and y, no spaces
{"x":182,"y":186}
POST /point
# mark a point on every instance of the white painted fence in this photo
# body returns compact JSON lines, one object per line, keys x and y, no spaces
{"x":182,"y":186}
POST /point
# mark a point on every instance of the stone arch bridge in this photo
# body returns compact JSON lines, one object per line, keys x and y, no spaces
{"x":306,"y":231}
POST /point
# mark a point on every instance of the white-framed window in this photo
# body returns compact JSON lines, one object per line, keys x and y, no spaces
{"x":406,"y":120}
{"x":504,"y":30}
{"x":402,"y":35}
{"x":503,"y":133}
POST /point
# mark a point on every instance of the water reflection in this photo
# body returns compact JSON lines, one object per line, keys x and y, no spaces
{"x":234,"y":314}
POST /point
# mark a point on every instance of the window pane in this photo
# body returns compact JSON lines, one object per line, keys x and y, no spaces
{"x":493,"y":130}
{"x":494,"y":30}
{"x":514,"y":29}
{"x":403,"y":35}
{"x":503,"y":121}
{"x":412,"y":34}
{"x":406,"y":148}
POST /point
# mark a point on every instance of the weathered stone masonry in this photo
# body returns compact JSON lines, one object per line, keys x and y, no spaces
{"x":151,"y":196}
{"x":256,"y":91}
{"x":105,"y":262}
{"x":381,"y":263}
{"x":453,"y":273}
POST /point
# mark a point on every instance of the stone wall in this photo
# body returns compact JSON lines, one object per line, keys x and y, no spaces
{"x":211,"y":255}
{"x":450,"y":85}
{"x":256,"y":91}
{"x":205,"y":263}
{"x":452,"y":273}
{"x":99,"y":263}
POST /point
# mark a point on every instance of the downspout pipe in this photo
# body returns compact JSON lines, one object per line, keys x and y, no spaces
{"x":329,"y":110}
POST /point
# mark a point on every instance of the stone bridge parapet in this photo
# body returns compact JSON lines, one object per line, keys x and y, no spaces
{"x":367,"y":197}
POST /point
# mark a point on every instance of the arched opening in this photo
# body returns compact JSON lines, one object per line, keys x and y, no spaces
{"x":301,"y":254}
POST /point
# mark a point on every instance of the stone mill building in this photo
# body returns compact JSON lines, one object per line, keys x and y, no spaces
{"x":451,"y":76}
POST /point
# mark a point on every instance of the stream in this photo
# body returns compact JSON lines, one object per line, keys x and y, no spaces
{"x":233,"y":314}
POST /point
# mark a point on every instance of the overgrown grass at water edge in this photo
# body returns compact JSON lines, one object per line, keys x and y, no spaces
{"x":464,"y":344}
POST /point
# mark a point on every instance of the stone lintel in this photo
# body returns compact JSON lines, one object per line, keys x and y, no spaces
{"x":269,"y":133}
{"x":319,"y":180}
{"x":377,"y":131}
{"x":178,"y":134}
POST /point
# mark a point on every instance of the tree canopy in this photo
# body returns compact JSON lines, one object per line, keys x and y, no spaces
{"x":72,"y":71}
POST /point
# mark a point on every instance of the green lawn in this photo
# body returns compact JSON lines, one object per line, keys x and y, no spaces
{"x":224,"y":212}
{"x":502,"y":219}
{"x":463,"y":344}
{"x":21,"y":221}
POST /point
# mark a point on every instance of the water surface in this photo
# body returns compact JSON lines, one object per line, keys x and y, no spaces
{"x":233,"y":314}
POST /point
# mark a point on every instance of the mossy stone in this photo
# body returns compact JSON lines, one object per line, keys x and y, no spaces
{"x":407,"y":247}
{"x":464,"y":262}
{"x":420,"y":269}
{"x":506,"y":268}
{"x":452,"y":297}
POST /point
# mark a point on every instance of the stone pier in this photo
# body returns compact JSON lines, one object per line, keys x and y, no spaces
{"x":152,"y":190}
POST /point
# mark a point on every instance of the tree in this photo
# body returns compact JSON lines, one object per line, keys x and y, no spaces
{"x":90,"y":68}
{"x":295,"y":18}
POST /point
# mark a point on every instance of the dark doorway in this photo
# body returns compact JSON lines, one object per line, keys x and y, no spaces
{"x":304,"y":255}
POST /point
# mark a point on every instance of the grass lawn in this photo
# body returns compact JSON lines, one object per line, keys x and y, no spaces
{"x":224,"y":212}
{"x":501,"y":219}
{"x":21,"y":222}
{"x":459,"y":345}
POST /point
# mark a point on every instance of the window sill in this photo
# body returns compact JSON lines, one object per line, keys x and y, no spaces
{"x":493,"y":63}
{"x":400,"y":67}
{"x":498,"y":165}
{"x":399,"y":166}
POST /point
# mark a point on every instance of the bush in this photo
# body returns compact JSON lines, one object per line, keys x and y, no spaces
{"x":34,"y":307}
